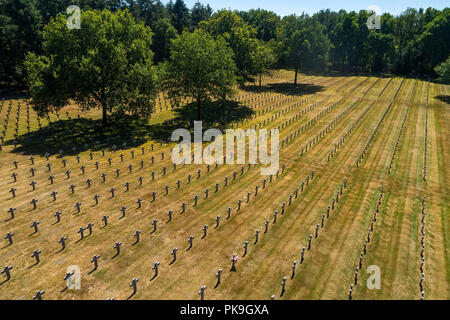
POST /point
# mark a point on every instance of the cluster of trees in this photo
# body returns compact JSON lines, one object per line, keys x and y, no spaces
{"x":128,"y":50}
{"x":109,"y":63}
{"x":22,"y":22}
{"x":413,"y":43}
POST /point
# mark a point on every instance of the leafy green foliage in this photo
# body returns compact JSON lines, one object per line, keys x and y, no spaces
{"x":164,"y":32}
{"x":240,"y":37}
{"x":201,"y":67}
{"x":443,"y":70}
{"x":265,"y":22}
{"x":20,"y":32}
{"x":106,"y":64}
{"x":302,"y":44}
{"x":179,"y":14}
{"x":265,"y":59}
{"x":200,"y":12}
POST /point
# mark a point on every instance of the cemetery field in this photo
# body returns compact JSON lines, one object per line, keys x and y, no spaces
{"x":363,"y":180}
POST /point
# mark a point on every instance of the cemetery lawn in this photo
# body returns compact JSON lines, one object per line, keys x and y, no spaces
{"x":329,"y":266}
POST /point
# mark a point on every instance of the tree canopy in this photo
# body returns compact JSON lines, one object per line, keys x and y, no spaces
{"x":105,"y":64}
{"x":443,"y":70}
{"x":201,"y":67}
{"x":241,"y":38}
{"x":413,"y":42}
{"x":302,"y":44}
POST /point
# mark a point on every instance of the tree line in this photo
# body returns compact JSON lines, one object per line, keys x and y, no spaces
{"x":129,"y":50}
{"x":412,"y":43}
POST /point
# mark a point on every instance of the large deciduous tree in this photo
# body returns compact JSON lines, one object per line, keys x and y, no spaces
{"x":265,"y":22}
{"x":302,"y":44}
{"x":201,"y":67}
{"x":164,"y":32}
{"x":241,"y":38}
{"x":443,"y":71}
{"x":20,"y":32}
{"x":105,"y":64}
{"x":265,"y":59}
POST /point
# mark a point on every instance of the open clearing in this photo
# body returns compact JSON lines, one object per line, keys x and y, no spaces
{"x":400,"y":126}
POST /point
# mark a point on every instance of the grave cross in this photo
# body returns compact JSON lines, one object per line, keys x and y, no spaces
{"x":117,"y":247}
{"x":233,"y":263}
{"x":256,"y":236}
{"x":245,"y":248}
{"x":33,"y":202}
{"x":283,"y":286}
{"x":81,"y":232}
{"x":35,"y":226}
{"x":53,"y":194}
{"x":190,"y":240}
{"x":266,"y":225}
{"x":89,"y":227}
{"x":154,"y":223}
{"x":78,"y":207}
{"x":7,"y":272}
{"x":217,"y":221}
{"x":156,"y":269}
{"x":137,"y":236}
{"x":35,"y":255}
{"x":139,"y":203}
{"x":123,"y":210}
{"x":204,"y":228}
{"x":174,"y":254}
{"x":218,"y":276}
{"x":195,"y":200}
{"x":94,"y":260}
{"x":202,"y":293}
{"x":62,"y":241}
{"x":293,"y":269}
{"x":38,"y":295}
{"x":302,"y":257}
{"x":9,"y":237}
{"x":133,"y":284}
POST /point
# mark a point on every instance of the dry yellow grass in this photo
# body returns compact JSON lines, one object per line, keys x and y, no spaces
{"x":329,"y":266}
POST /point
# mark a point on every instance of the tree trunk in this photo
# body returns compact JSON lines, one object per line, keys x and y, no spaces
{"x":199,"y":109}
{"x":296,"y":73}
{"x":104,"y":117}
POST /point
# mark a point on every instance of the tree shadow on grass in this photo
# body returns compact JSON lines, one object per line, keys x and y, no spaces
{"x":124,"y":131}
{"x":290,"y":89}
{"x":443,"y":98}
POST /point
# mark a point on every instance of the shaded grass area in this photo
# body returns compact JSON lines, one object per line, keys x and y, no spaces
{"x":73,"y":136}
{"x":443,"y":98}
{"x":285,"y":88}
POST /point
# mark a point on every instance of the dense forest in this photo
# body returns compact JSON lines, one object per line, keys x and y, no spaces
{"x":416,"y":43}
